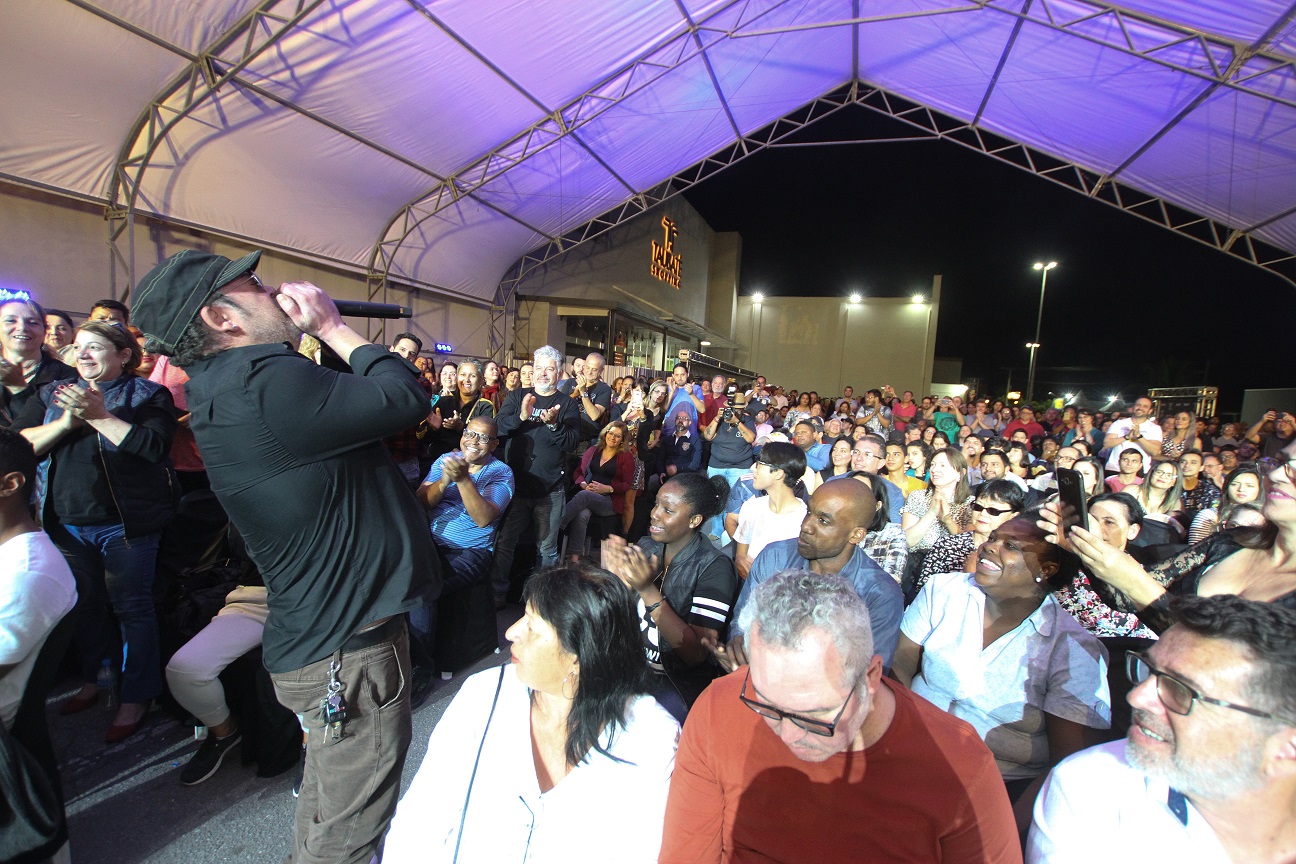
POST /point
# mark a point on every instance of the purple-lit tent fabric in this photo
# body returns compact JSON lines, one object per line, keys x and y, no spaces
{"x":446,"y":139}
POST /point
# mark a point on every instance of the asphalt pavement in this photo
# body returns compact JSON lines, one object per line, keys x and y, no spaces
{"x":126,"y":804}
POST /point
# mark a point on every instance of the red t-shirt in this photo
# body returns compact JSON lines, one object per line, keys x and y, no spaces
{"x":1032,"y":429}
{"x":714,"y":405}
{"x":928,"y":791}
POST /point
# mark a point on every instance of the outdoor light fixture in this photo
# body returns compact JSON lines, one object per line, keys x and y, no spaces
{"x":857,"y":297}
{"x":1115,"y":398}
{"x":1068,"y":396}
{"x":758,"y":298}
{"x":705,"y":343}
{"x":1030,"y":376}
{"x":918,"y":299}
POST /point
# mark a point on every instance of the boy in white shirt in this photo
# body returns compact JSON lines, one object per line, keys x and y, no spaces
{"x":776,"y":515}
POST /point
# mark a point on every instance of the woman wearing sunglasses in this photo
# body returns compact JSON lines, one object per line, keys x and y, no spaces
{"x":996,"y":503}
{"x":1255,"y":563}
{"x":994,"y":648}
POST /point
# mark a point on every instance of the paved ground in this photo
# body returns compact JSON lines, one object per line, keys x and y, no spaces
{"x":126,"y":804}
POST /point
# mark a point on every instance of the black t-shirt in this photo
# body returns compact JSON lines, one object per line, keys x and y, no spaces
{"x":729,"y":449}
{"x":24,"y":410}
{"x":1272,"y":445}
{"x":601,"y":395}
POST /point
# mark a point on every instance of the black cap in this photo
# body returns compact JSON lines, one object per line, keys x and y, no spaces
{"x":168,"y":298}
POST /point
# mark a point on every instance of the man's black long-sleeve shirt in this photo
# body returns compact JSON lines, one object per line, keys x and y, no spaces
{"x":536,"y":452}
{"x":294,"y":454}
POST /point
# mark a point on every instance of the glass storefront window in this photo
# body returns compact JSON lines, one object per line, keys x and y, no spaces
{"x":673,"y":347}
{"x":634,"y":344}
{"x":586,"y":333}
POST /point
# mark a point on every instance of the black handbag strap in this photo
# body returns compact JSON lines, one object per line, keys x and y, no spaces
{"x":463,"y":817}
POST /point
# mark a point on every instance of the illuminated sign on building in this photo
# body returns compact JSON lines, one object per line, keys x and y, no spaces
{"x":665,"y":261}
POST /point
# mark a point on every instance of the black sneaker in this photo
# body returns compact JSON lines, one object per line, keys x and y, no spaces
{"x":205,"y":763}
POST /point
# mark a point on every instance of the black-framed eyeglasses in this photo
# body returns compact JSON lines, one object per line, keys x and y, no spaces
{"x":1177,"y":696}
{"x":480,"y":437}
{"x":809,"y":724}
{"x":1283,"y":461}
{"x":993,"y":511}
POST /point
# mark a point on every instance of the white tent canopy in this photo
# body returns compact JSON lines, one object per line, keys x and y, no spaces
{"x":439,"y":142}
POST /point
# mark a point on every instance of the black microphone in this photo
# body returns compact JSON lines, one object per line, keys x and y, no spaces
{"x":365,"y":309}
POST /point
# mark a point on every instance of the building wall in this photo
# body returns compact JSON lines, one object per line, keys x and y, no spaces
{"x":57,"y":249}
{"x":825,"y":343}
{"x":722,"y":291}
{"x":616,"y":268}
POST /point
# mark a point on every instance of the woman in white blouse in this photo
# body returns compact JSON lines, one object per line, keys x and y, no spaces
{"x":996,"y":649}
{"x":557,"y":757}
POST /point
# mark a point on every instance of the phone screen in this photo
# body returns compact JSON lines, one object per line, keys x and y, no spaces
{"x":1075,"y":510}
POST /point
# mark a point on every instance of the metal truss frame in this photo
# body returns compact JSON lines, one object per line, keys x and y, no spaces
{"x":1253,"y":69}
{"x":1221,"y":63}
{"x":1238,"y":243}
{"x":691,"y":41}
{"x":206,"y":72}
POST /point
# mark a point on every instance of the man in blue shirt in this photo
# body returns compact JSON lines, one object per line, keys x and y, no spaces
{"x":807,"y":435}
{"x":685,"y":396}
{"x":837,"y":520}
{"x":466,"y":491}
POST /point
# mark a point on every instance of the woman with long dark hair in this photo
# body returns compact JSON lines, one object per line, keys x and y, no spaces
{"x":558,"y":756}
{"x":1181,"y":436}
{"x":492,"y":384}
{"x":1243,"y":485}
{"x":839,"y":459}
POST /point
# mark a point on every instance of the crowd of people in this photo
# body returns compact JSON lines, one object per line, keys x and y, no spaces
{"x":751,"y":615}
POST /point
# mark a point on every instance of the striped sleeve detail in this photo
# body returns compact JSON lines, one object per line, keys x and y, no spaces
{"x":708,"y":608}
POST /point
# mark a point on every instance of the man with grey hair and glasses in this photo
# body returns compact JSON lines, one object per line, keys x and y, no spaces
{"x":1207,"y":773}
{"x":809,"y":754}
{"x":539,"y":427}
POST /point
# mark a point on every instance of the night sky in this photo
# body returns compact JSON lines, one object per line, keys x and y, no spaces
{"x":1131,"y":305}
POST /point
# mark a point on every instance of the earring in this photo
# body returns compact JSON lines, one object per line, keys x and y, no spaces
{"x":1039,"y":578}
{"x":564,"y":687}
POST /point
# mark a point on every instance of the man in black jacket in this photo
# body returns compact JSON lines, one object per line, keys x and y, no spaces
{"x":539,"y":426}
{"x":293,"y":453}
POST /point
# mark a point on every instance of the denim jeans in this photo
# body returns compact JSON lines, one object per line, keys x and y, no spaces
{"x":114,"y":572}
{"x":545,"y":513}
{"x":351,"y":784}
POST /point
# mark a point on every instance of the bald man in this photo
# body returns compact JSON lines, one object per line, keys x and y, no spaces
{"x":835,"y":522}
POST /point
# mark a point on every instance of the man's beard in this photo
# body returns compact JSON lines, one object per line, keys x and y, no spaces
{"x":1223,"y":776}
{"x":269,"y":332}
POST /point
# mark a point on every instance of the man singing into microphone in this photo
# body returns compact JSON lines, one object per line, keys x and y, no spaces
{"x":293,"y":453}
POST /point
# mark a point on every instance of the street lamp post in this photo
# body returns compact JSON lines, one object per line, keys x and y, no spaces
{"x":1039,"y":320}
{"x":1030,"y":378}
